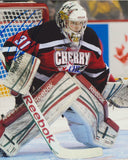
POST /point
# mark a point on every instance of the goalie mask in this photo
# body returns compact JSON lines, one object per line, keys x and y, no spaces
{"x":72,"y":19}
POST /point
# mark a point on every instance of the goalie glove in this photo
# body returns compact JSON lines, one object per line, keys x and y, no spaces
{"x":117,"y":93}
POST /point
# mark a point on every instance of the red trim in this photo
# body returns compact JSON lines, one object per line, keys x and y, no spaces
{"x":107,"y":21}
{"x":2,"y":128}
{"x":55,"y":78}
{"x":112,"y":124}
{"x":95,"y":92}
{"x":15,"y":115}
{"x":87,"y":84}
{"x":64,"y":96}
{"x":52,"y":81}
{"x":82,"y":102}
{"x":111,"y":78}
{"x":28,"y":5}
{"x":17,"y":5}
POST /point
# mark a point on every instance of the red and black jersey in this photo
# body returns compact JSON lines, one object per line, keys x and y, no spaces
{"x":48,"y":43}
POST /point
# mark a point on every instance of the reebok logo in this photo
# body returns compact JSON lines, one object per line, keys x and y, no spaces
{"x":97,"y":94}
{"x":43,"y":92}
{"x":16,"y":63}
{"x":41,"y":122}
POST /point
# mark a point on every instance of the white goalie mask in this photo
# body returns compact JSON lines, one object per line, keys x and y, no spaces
{"x":72,"y":19}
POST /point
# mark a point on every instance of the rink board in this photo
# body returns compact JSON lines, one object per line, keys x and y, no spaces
{"x":114,"y":38}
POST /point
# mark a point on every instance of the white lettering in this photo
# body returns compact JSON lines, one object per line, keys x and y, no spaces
{"x":43,"y":93}
{"x":82,"y":58}
{"x":70,"y":57}
{"x":87,"y":58}
{"x":57,"y":58}
{"x":76,"y":58}
{"x":64,"y":59}
{"x":41,"y":123}
{"x":96,"y":94}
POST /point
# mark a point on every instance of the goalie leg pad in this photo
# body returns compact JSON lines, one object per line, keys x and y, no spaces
{"x":107,"y":133}
{"x":91,"y":109}
{"x":60,"y":90}
{"x":104,"y":137}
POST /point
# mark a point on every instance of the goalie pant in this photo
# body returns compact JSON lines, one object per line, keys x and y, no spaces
{"x":96,"y":128}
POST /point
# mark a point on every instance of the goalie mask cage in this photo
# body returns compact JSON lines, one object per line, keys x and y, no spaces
{"x":16,"y":17}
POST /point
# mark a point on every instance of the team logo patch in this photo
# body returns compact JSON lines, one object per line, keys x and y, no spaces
{"x":71,"y":61}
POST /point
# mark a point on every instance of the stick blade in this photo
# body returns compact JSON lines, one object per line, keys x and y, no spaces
{"x":80,"y":153}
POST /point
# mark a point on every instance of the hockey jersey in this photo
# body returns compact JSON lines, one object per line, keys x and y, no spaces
{"x":48,"y":43}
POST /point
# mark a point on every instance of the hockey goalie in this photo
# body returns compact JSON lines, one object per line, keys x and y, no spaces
{"x":61,"y":64}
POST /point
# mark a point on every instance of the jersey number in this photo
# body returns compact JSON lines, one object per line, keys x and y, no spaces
{"x":22,"y":40}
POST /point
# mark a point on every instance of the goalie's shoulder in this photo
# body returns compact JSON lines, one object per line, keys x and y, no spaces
{"x":91,"y":36}
{"x":45,"y":32}
{"x":91,"y":41}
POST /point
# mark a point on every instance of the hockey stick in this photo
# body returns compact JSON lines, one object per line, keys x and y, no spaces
{"x":51,"y":140}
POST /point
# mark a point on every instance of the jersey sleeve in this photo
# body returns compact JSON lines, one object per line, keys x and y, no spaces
{"x":97,"y":71}
{"x":21,"y":41}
